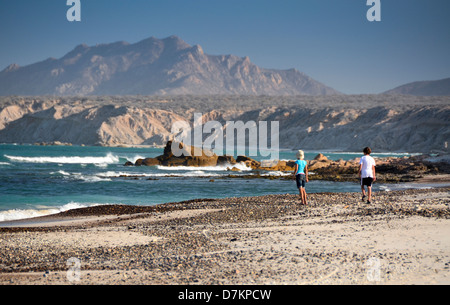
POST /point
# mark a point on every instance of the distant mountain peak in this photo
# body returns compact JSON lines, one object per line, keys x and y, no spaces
{"x":198,"y":49}
{"x":175,"y":42}
{"x":174,"y":38}
{"x":153,"y":66}
{"x":424,"y":88}
{"x":11,"y":67}
{"x":81,"y":46}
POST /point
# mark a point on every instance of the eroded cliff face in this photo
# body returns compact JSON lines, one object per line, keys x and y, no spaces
{"x":386,"y":123}
{"x":85,"y":124}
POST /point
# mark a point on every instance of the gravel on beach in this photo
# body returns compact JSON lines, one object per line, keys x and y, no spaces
{"x":402,"y":237}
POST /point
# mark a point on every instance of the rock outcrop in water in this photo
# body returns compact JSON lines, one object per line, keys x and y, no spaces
{"x":390,"y":169}
{"x":186,"y":156}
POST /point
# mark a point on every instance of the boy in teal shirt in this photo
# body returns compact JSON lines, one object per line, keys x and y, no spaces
{"x":301,"y":175}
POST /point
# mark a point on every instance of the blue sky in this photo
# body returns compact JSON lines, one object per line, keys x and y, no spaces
{"x":330,"y":40}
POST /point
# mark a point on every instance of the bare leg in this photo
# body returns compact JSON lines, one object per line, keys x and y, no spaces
{"x":363,"y":192}
{"x":369,"y":193}
{"x":300,"y":192}
{"x":303,"y":193}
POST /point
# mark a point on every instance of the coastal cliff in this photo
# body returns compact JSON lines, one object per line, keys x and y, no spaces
{"x":340,"y":123}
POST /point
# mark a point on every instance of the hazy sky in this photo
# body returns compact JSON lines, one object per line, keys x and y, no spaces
{"x":330,"y":40}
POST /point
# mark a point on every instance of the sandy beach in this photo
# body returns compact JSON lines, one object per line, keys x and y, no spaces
{"x":403,"y":237}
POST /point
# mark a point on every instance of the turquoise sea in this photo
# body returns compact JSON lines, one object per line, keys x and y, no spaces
{"x":40,"y":180}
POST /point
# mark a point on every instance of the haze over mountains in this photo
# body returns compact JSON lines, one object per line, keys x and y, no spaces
{"x":424,"y":88}
{"x":130,"y":94}
{"x":153,"y":66}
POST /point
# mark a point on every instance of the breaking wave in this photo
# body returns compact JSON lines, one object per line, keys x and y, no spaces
{"x":108,"y":159}
{"x":17,"y":214}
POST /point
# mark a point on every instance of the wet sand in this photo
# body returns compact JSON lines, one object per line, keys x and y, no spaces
{"x":403,"y":237}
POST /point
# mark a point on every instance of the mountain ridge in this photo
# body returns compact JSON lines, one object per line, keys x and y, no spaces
{"x":153,"y":66}
{"x":339,"y":123}
{"x":439,"y":87}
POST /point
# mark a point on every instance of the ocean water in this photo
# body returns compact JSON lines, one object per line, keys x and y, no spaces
{"x":42,"y":180}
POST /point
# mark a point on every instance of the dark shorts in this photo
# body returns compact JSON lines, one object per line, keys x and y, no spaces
{"x":367,"y":181}
{"x":301,"y":180}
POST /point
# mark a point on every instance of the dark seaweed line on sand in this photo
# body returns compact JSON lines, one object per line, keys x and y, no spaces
{"x":282,"y":204}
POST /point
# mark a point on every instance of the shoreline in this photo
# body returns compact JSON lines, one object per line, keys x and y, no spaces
{"x":424,"y":182}
{"x":427,"y":181}
{"x":268,"y":239}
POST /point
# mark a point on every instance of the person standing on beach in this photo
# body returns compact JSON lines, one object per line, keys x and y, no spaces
{"x":301,"y":175}
{"x":367,"y":173}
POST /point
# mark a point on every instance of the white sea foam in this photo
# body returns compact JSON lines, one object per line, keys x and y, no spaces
{"x":117,"y":174}
{"x":108,"y":159}
{"x":5,"y":163}
{"x":89,"y":178}
{"x":406,"y":186}
{"x":80,"y":176}
{"x":16,"y":214}
{"x":182,"y":171}
{"x":134,"y":158}
{"x":240,"y":166}
{"x":23,"y":214}
{"x":61,"y":172}
{"x":189,"y":173}
{"x":277,"y":173}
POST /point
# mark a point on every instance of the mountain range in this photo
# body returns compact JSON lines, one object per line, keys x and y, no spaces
{"x":153,"y":66}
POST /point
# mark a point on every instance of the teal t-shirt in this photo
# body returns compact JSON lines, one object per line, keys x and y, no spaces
{"x":301,"y":166}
